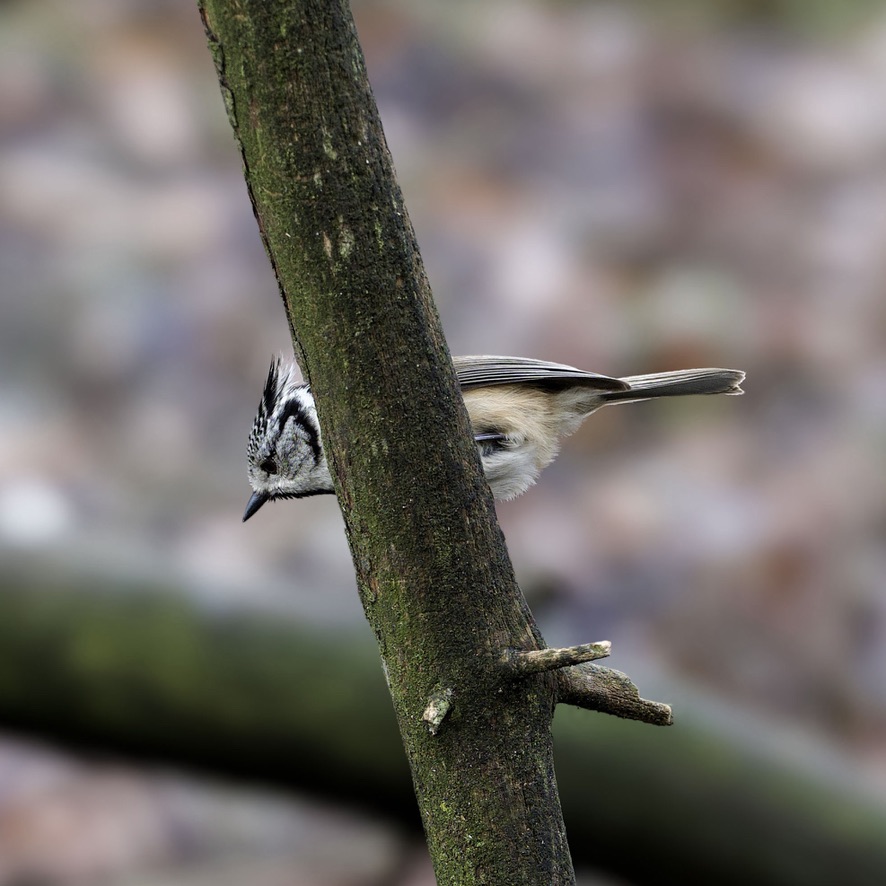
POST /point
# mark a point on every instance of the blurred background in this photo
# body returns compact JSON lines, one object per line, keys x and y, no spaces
{"x":622,"y":186}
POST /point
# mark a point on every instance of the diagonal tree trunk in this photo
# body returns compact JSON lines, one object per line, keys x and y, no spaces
{"x":432,"y":568}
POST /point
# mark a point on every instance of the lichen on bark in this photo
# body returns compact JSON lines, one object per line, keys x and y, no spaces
{"x":432,"y":568}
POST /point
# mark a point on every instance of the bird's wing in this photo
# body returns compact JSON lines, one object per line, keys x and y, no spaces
{"x":482,"y":371}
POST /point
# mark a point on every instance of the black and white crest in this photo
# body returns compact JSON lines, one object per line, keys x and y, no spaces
{"x":279,"y":387}
{"x":284,"y":451}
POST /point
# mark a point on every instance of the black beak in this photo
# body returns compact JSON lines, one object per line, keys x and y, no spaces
{"x":257,"y":499}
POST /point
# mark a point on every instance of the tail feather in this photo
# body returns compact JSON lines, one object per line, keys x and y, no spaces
{"x":678,"y":384}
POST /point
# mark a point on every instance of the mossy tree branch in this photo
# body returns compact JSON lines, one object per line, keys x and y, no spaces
{"x":432,"y":568}
{"x":609,"y":692}
{"x":536,"y":661}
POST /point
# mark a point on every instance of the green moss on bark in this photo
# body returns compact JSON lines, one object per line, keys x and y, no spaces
{"x":432,"y":568}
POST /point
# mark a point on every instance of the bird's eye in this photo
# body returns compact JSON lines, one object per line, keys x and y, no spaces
{"x":269,"y":465}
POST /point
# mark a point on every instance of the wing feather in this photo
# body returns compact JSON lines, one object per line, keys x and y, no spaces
{"x":481,"y":371}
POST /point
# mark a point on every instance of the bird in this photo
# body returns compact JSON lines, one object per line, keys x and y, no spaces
{"x":520,"y":409}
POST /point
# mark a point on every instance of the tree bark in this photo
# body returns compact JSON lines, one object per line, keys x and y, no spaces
{"x":473,"y":687}
{"x":432,"y":569}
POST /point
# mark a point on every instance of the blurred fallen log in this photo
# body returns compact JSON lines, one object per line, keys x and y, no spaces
{"x":134,"y":668}
{"x":137,"y":668}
